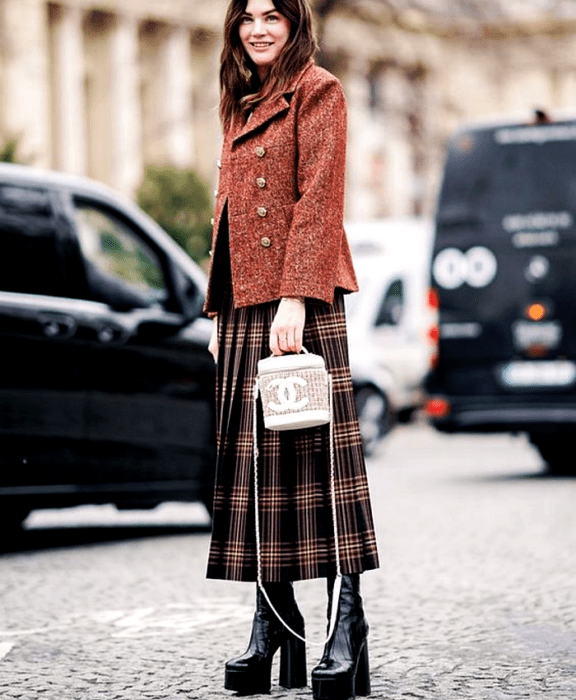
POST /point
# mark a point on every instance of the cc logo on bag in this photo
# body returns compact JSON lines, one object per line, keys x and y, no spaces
{"x":286,"y":388}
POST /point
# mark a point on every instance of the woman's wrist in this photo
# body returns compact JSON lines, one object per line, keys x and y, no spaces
{"x":302,"y":300}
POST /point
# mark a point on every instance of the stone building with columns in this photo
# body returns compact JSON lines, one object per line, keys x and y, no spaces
{"x":104,"y":87}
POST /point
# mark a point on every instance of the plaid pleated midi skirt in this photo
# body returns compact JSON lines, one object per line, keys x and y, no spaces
{"x":295,"y":512}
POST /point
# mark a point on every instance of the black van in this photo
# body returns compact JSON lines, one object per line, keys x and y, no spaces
{"x":504,"y":270}
{"x":106,"y":383}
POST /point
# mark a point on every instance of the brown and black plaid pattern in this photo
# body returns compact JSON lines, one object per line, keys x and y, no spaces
{"x":295,"y":510}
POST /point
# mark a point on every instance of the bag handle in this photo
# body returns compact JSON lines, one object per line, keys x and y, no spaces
{"x":338,"y":580}
{"x":302,"y":349}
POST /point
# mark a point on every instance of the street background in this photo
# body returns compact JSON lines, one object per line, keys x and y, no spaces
{"x":474,"y":600}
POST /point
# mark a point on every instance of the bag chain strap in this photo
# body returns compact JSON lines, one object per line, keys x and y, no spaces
{"x":338,"y":580}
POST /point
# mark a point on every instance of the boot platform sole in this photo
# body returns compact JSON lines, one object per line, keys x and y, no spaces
{"x":246,"y":683}
{"x":344,"y":686}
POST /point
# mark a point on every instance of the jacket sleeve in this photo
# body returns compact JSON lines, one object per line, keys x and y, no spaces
{"x":317,"y":232}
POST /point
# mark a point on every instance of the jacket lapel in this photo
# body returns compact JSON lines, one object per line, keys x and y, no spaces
{"x":265,"y":111}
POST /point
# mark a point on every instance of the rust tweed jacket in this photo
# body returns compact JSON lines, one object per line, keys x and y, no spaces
{"x":282,"y":182}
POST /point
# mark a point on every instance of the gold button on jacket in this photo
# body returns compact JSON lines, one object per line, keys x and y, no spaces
{"x":260,"y":151}
{"x":261,"y":182}
{"x":262,"y":211}
{"x":266,"y":242}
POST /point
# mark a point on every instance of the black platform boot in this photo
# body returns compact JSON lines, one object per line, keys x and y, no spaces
{"x":249,"y":674}
{"x":343,"y":671}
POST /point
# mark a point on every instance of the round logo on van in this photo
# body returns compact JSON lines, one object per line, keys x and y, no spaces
{"x":476,"y":267}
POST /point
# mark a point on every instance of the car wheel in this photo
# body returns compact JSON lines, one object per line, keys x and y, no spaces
{"x":556,"y":450}
{"x":373,"y":415}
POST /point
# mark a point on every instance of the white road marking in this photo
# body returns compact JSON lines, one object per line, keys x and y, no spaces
{"x":5,"y":649}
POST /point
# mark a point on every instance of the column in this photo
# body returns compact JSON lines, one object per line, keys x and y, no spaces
{"x":205,"y":62}
{"x":98,"y":95}
{"x":112,"y":95}
{"x":399,"y":148}
{"x":126,"y":128}
{"x":68,"y":108}
{"x":167,"y":95}
{"x":359,"y":204}
{"x":25,"y":97}
{"x":177,"y":102}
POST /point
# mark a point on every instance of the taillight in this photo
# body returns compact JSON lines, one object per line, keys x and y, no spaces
{"x":437,"y":407}
{"x":537,"y":350}
{"x":433,"y":334}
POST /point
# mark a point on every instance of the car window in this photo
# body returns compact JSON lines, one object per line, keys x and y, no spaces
{"x":390,"y":312}
{"x":30,"y":261}
{"x":122,"y":269}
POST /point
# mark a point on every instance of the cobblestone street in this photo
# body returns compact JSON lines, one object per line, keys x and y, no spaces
{"x":475,"y":599}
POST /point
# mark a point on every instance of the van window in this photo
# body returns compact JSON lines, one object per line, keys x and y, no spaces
{"x":30,"y":261}
{"x":493,"y":185}
{"x":390,"y":312}
{"x":121,"y":268}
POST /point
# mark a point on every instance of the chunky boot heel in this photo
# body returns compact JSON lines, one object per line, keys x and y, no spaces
{"x":362,"y":680}
{"x":343,"y":671}
{"x":250,"y":673}
{"x":293,"y":661}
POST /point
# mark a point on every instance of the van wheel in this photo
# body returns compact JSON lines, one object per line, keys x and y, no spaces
{"x":373,"y":415}
{"x":556,"y":450}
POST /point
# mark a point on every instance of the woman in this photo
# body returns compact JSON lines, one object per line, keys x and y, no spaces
{"x":280,"y":267}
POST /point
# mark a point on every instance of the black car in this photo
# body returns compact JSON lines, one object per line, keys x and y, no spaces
{"x":106,"y":383}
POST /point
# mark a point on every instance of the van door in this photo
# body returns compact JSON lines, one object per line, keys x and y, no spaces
{"x":42,"y":397}
{"x":150,"y":387}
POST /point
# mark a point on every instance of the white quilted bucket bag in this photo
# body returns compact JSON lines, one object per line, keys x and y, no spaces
{"x":295,"y":391}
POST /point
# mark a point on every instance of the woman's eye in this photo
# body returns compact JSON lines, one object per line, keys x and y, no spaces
{"x":245,"y":20}
{"x":272,"y":18}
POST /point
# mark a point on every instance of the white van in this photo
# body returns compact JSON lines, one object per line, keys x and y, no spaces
{"x":390,"y":321}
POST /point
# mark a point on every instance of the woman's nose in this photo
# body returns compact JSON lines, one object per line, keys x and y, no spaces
{"x":258,"y":27}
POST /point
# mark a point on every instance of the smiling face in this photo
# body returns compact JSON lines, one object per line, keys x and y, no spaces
{"x":263,"y":33}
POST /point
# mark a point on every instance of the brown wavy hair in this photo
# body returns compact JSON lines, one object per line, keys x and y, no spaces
{"x":240,"y":86}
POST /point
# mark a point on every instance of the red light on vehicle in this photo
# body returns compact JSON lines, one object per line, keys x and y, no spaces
{"x":537,"y":350}
{"x":434,"y":334}
{"x":536,"y":312}
{"x":437,"y":407}
{"x":433,"y":299}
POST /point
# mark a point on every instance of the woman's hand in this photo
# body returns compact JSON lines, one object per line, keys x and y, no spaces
{"x":213,"y":344}
{"x":288,"y":326}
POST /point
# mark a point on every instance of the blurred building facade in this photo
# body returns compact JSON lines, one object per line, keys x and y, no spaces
{"x":104,"y":87}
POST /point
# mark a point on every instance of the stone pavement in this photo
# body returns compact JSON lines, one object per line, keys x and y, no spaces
{"x":476,"y":598}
